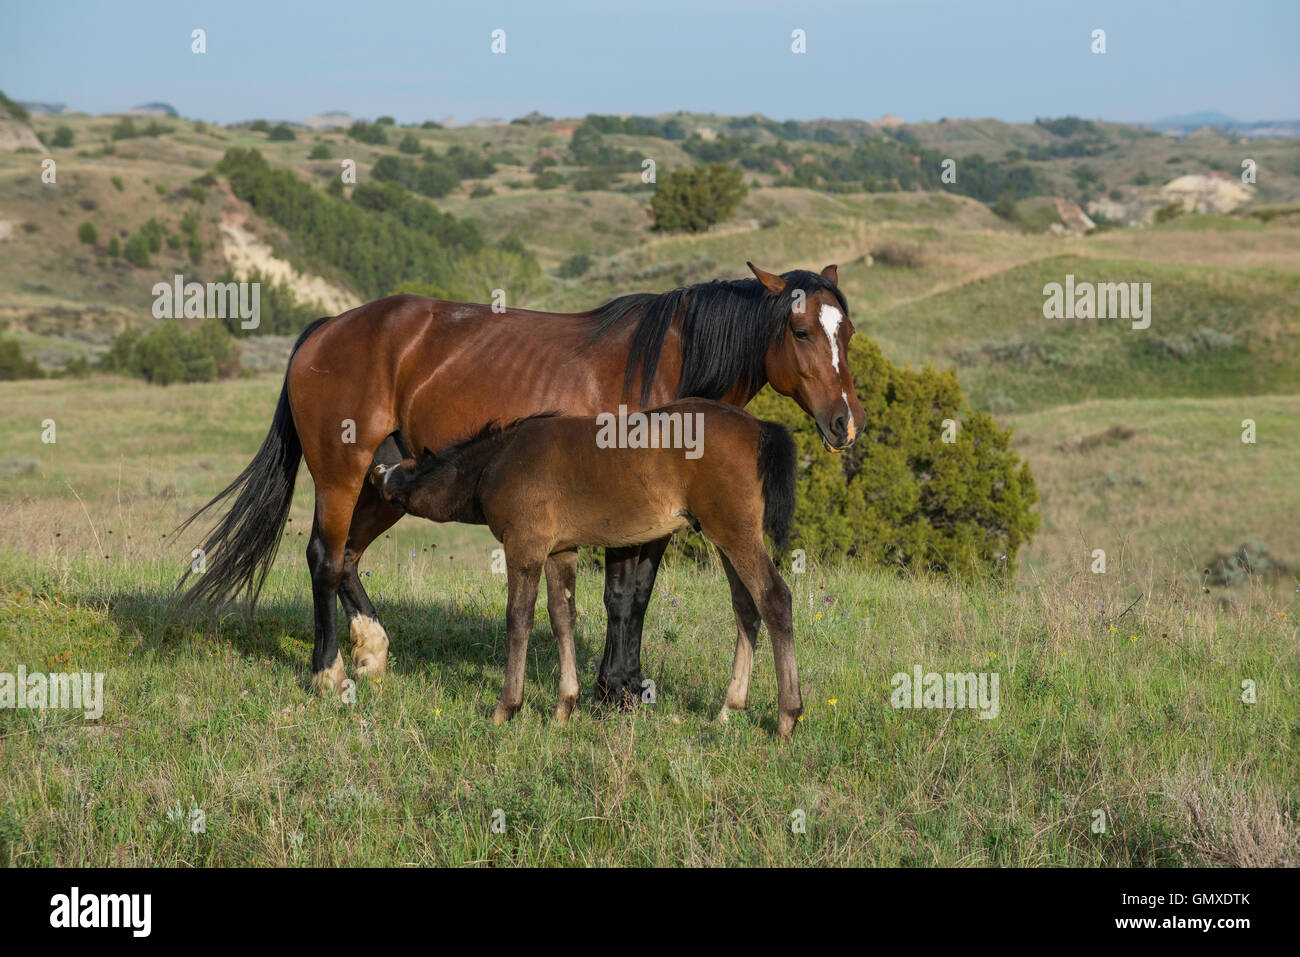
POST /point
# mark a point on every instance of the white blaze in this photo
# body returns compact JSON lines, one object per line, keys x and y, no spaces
{"x":830,"y":319}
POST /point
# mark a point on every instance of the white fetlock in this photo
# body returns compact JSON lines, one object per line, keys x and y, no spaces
{"x":369,"y":646}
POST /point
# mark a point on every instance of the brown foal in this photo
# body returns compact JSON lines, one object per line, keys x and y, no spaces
{"x":546,"y":484}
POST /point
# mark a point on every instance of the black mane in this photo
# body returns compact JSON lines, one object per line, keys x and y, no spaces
{"x":727,"y":326}
{"x":495,"y":429}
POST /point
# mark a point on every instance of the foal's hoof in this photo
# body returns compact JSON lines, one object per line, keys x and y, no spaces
{"x":785,"y":726}
{"x":329,"y":682}
{"x":503,"y":714}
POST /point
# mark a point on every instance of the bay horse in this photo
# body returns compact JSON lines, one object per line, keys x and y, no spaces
{"x":546,"y":485}
{"x":407,"y":372}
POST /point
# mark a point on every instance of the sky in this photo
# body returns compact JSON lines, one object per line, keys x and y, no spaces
{"x":917,"y":59}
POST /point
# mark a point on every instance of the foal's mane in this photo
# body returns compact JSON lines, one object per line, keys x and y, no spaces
{"x":494,"y":430}
{"x":726,"y":325}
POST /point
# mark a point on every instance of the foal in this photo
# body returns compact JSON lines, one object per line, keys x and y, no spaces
{"x":545,"y":485}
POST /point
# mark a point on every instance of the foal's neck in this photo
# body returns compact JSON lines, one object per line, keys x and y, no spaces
{"x":459,"y":477}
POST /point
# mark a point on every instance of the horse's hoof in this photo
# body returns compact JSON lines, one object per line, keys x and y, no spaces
{"x":619,"y":692}
{"x":502,"y":714}
{"x":330,"y":681}
{"x":369,"y":647}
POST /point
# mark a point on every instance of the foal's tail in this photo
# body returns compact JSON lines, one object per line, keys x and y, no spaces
{"x":776,"y":466}
{"x":239,"y":550}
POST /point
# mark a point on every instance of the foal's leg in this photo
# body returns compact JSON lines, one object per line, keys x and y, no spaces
{"x":772,"y":596}
{"x":523,"y":573}
{"x":561,"y":580}
{"x":747,"y":622}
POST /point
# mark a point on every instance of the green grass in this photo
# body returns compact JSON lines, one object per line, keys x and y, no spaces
{"x":1144,"y":722}
{"x":1122,"y":721}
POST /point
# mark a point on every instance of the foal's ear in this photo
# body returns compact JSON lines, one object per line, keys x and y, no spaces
{"x":773,"y":283}
{"x":832,"y":273}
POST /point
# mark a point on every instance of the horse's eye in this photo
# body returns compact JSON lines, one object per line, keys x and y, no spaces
{"x":800,"y":334}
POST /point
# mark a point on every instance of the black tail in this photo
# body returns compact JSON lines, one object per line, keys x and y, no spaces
{"x":776,"y":465}
{"x":239,"y":551}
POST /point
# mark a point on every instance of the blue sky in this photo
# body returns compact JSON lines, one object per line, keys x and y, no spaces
{"x":920,"y":60}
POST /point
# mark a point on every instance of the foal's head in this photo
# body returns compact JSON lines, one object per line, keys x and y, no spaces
{"x":427,"y":488}
{"x":442,"y":487}
{"x":810,"y":360}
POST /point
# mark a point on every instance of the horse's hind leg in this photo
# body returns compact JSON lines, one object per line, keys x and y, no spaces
{"x":772,"y":597}
{"x":372,"y":518}
{"x":325,"y":559}
{"x":747,"y":622}
{"x":561,"y":580}
{"x":523,"y":572}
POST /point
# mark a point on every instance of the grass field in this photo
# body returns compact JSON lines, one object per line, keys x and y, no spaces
{"x":1131,"y":708}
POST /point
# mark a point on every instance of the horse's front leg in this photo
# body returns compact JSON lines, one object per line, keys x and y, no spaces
{"x":522,"y":571}
{"x":629,"y":583}
{"x":561,"y":580}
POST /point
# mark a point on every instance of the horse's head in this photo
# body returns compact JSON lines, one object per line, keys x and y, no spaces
{"x":809,"y":360}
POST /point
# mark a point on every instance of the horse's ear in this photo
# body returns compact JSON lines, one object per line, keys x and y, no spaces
{"x":832,"y":273}
{"x":773,"y":283}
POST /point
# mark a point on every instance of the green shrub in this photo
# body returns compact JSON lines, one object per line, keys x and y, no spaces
{"x":1171,"y":211}
{"x":117,"y":184}
{"x":87,"y":233}
{"x":694,"y":199}
{"x":410,"y":144}
{"x":260,"y":126}
{"x":167,"y":353}
{"x":15,"y":365}
{"x":114,"y":247}
{"x":144,"y":241}
{"x":319,"y":152}
{"x":136,"y":249}
{"x":575,"y":266}
{"x":282,"y":133}
{"x":371,"y":133}
{"x":901,"y":496}
{"x":63,"y":136}
{"x":548,"y":179}
{"x":1005,"y":205}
